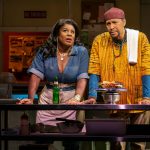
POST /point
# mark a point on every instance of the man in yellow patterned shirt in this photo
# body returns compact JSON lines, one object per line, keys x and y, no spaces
{"x":122,"y":55}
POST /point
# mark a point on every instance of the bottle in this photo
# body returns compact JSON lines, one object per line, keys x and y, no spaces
{"x":56,"y":91}
{"x":24,"y":124}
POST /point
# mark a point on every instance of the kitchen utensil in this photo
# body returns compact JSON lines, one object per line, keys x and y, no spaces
{"x":69,"y":126}
{"x":111,"y":98}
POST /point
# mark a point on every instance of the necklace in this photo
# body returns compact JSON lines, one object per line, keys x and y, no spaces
{"x":120,"y":51}
{"x":116,"y":56}
{"x":62,"y":55}
{"x":119,"y":43}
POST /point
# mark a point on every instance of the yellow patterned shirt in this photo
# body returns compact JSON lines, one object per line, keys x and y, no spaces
{"x":107,"y":61}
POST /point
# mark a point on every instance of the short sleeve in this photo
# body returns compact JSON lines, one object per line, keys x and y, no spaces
{"x":84,"y":61}
{"x":37,"y":66}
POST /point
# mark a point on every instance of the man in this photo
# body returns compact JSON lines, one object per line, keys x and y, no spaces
{"x":122,"y":55}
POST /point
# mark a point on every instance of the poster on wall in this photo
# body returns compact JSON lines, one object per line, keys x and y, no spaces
{"x":21,"y":49}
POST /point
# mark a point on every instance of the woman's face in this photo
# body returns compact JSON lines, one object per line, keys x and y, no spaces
{"x":66,"y":35}
{"x":116,"y":28}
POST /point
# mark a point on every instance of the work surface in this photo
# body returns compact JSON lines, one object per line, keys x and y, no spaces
{"x":10,"y":104}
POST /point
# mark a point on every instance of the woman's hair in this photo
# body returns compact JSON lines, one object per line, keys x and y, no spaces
{"x":59,"y":24}
{"x":49,"y":48}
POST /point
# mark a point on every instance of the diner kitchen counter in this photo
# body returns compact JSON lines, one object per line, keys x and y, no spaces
{"x":7,"y":105}
{"x":10,"y":104}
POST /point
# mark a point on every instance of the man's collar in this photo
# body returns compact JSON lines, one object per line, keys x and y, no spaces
{"x":120,"y":42}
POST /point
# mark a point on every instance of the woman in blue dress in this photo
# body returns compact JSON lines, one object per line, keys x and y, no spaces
{"x":63,"y":57}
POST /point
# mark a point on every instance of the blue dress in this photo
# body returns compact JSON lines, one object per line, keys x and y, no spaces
{"x":47,"y":69}
{"x":75,"y":69}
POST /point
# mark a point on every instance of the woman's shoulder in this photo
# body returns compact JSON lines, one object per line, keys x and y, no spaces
{"x":79,"y":48}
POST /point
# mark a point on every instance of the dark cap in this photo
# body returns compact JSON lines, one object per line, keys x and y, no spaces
{"x":114,"y":13}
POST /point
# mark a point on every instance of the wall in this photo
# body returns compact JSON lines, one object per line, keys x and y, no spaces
{"x":12,"y":16}
{"x":132,"y":12}
{"x":145,"y":21}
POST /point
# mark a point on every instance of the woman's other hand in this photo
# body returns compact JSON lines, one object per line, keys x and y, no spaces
{"x":90,"y":101}
{"x":73,"y":101}
{"x":25,"y":101}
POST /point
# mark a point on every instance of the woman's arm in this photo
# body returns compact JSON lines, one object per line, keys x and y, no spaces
{"x":33,"y":86}
{"x":79,"y":92}
{"x":80,"y":87}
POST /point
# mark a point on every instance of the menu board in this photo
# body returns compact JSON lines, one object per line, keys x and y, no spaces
{"x":21,"y":50}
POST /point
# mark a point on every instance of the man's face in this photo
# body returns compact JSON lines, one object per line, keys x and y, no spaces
{"x":116,"y":28}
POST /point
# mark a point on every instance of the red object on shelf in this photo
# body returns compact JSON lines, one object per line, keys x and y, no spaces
{"x":6,"y":43}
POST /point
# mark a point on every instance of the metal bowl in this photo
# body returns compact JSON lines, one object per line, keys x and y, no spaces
{"x":111,"y":98}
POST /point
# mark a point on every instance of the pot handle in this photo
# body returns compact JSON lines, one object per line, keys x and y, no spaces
{"x":67,"y":120}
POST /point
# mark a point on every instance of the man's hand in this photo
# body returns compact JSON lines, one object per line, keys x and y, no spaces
{"x":145,"y":101}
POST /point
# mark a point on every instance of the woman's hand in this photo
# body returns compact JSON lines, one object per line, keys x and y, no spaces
{"x":73,"y":101}
{"x":90,"y":101}
{"x":25,"y":101}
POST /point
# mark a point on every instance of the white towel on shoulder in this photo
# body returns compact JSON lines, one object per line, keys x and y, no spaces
{"x":132,"y":45}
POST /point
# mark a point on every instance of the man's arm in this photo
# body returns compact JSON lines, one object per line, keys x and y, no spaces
{"x":93,"y":85}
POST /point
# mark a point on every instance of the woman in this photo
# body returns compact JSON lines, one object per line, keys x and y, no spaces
{"x":62,"y":57}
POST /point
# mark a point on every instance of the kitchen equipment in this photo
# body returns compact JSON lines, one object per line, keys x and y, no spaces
{"x":111,"y":98}
{"x":107,"y":126}
{"x":69,"y":126}
{"x":111,"y":95}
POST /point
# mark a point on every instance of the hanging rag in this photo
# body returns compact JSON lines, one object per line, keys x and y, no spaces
{"x":132,"y":45}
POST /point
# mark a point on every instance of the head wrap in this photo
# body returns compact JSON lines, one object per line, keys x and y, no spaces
{"x":114,"y":13}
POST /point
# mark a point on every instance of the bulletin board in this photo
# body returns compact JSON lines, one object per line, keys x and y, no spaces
{"x":92,"y":12}
{"x":19,"y":49}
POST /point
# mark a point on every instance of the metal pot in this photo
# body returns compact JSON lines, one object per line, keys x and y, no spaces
{"x":111,"y":98}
